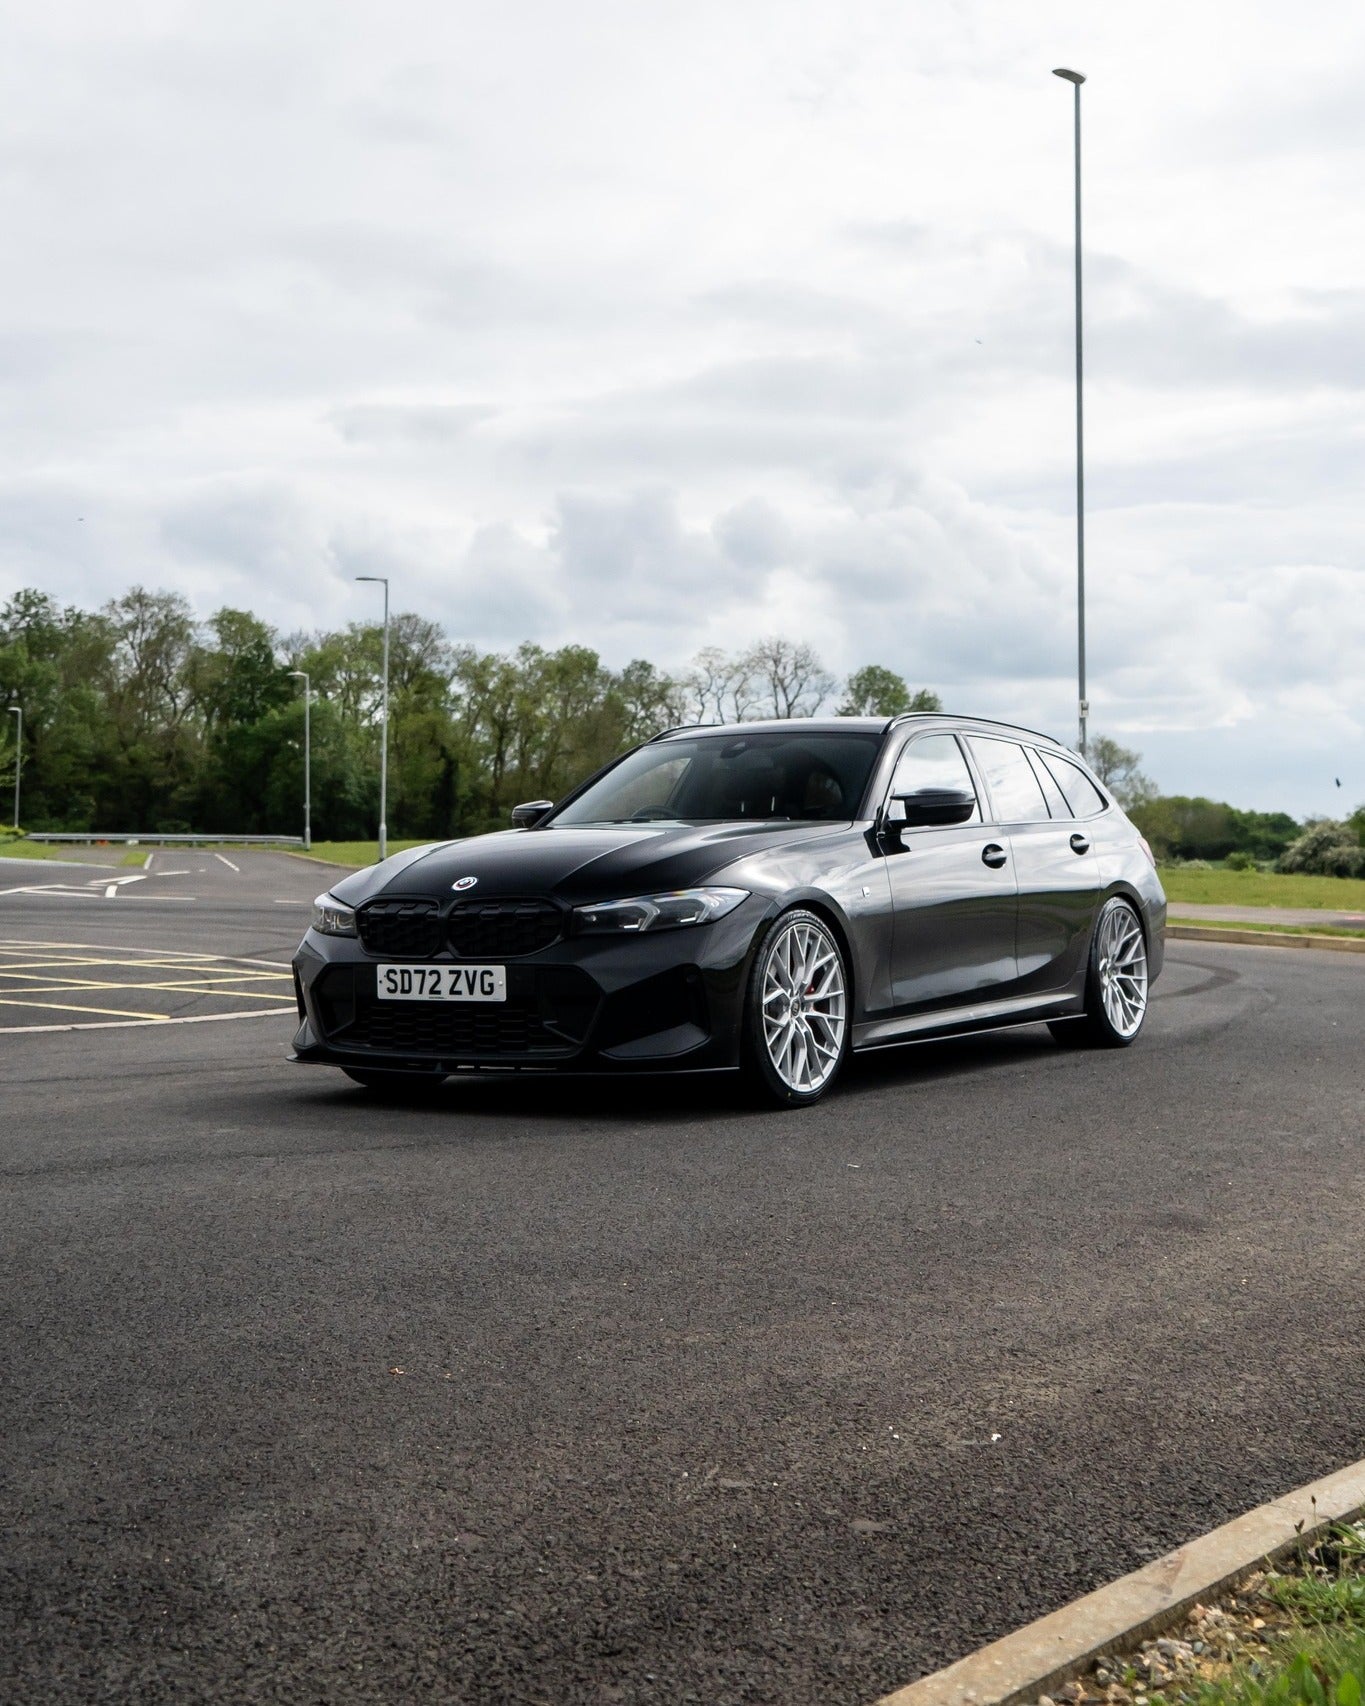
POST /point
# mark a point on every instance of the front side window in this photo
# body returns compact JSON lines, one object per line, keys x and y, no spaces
{"x":934,"y":761}
{"x":814,"y":775}
{"x":1015,"y":794}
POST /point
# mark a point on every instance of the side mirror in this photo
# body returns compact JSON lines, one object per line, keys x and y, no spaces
{"x":529,"y":814}
{"x":927,"y":808}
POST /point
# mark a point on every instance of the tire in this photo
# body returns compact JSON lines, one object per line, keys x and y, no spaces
{"x":796,"y":1012}
{"x":397,"y":1086}
{"x":1116,"y":985}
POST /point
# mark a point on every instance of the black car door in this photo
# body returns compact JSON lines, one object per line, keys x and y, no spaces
{"x":1057,"y":869}
{"x":952,"y":890}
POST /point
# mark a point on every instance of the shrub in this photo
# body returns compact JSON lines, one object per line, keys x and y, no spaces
{"x":1241,"y":860}
{"x":1325,"y":849}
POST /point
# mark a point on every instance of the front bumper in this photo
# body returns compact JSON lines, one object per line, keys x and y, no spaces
{"x":668,"y":1001}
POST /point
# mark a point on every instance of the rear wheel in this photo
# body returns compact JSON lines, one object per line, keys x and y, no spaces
{"x":1115,"y":984}
{"x":796,"y":1012}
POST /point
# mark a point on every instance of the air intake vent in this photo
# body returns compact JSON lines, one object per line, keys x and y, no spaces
{"x":503,"y":929}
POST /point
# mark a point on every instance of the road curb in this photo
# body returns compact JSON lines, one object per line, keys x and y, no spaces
{"x":1264,"y":938}
{"x":1040,"y":1657}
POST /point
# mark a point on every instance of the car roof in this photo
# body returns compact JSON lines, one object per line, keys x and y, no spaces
{"x":857,"y":725}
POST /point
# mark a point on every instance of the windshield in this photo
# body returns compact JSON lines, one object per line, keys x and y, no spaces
{"x":811,"y":775}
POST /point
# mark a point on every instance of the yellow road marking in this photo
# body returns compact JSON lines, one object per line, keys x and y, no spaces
{"x":94,"y":948}
{"x":195,"y":990}
{"x":19,"y":943}
{"x":134,"y":1024}
{"x":71,"y":1007}
{"x":186,"y":973}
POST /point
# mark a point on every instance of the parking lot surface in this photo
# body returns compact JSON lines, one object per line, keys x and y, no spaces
{"x":622,"y":1393}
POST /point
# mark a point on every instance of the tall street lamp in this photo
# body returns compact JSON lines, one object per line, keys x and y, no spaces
{"x":302,"y":675}
{"x":383,"y":580}
{"x":17,"y":711}
{"x":1076,"y":78}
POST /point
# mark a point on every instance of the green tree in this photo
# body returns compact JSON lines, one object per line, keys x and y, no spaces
{"x":874,"y":691}
{"x":1117,"y":767}
{"x":1326,"y":849}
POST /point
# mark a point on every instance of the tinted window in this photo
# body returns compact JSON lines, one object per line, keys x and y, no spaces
{"x":1057,"y":802}
{"x":934,"y":761}
{"x":709,"y":778}
{"x":1015,"y":794}
{"x":1083,"y":796}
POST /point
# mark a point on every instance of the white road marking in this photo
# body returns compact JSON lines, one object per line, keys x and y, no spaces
{"x":113,"y":887}
{"x":229,"y":863}
{"x":53,"y":888}
{"x":142,"y":1024}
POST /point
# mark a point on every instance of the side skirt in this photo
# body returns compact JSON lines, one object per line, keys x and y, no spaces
{"x":963,"y":1021}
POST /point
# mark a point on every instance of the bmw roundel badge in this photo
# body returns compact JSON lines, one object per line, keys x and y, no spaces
{"x":462,"y":883}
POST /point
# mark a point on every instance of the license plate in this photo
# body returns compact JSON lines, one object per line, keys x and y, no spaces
{"x":442,"y":983}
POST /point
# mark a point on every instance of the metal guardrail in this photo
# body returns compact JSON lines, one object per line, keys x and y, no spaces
{"x":149,"y":840}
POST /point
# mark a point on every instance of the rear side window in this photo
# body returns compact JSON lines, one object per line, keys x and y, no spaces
{"x":1057,"y":802}
{"x":1016,"y":796}
{"x":1082,"y":795}
{"x":934,"y":761}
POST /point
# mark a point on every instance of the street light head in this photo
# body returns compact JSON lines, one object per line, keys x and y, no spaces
{"x":383,"y":580}
{"x":1076,"y":77}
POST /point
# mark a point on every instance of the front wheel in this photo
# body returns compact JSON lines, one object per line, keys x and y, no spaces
{"x":1115,"y":983}
{"x":796,"y":1011}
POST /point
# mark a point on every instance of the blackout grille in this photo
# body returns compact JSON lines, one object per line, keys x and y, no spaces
{"x":407,"y":929}
{"x":503,"y":929}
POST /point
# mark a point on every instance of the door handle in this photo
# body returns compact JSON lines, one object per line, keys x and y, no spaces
{"x":994,"y":855}
{"x":1079,"y":844}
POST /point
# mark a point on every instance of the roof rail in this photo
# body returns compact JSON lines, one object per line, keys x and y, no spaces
{"x":991,"y":722}
{"x":681,"y":728}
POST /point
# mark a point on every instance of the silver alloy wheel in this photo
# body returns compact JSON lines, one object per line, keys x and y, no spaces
{"x":804,"y":1004}
{"x":1122,"y":964}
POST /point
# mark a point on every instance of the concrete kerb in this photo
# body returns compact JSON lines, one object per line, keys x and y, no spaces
{"x":1263,"y":938}
{"x":1042,"y":1656}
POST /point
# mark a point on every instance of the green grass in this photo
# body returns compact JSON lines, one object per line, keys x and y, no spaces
{"x":23,"y":849}
{"x":352,"y":853}
{"x":1319,"y":1658}
{"x":136,"y":856}
{"x":1259,"y":888}
{"x":1322,"y":1666}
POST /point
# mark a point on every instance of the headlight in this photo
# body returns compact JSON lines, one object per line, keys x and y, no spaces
{"x":658,"y":911}
{"x":331,"y":918}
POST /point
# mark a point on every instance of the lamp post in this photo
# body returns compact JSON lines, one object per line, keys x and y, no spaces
{"x":302,"y":675}
{"x":1076,"y":78}
{"x":383,"y":580}
{"x":17,"y":711}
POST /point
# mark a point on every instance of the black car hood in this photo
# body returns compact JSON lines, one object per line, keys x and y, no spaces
{"x":576,"y":865}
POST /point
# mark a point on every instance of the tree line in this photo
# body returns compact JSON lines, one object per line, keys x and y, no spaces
{"x":137,"y":717}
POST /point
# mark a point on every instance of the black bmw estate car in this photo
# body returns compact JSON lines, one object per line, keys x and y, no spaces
{"x":766,"y":896}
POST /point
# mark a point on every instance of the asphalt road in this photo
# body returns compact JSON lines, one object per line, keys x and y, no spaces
{"x":621,"y":1394}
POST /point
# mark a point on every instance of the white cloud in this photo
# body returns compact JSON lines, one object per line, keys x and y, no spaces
{"x":657,"y":327}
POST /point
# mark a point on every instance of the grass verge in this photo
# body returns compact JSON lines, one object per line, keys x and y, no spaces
{"x":1264,"y":929}
{"x":1292,"y":1636}
{"x":23,"y":849}
{"x":1261,"y":888}
{"x":351,"y":853}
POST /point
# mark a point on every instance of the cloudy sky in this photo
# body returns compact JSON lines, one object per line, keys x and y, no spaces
{"x":657,"y":324}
